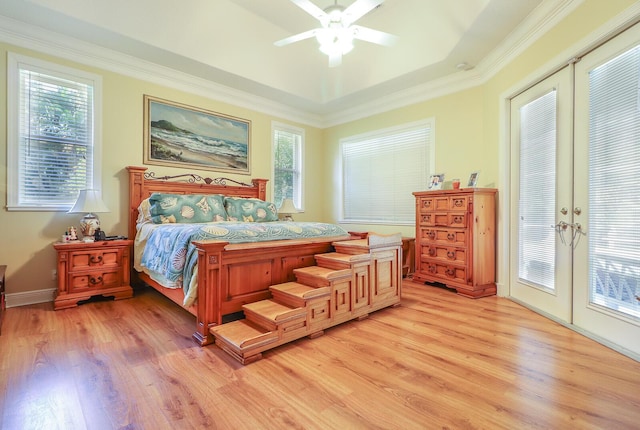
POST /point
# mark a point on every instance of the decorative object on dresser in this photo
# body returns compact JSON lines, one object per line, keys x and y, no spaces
{"x":436,"y":181}
{"x":287,"y":209}
{"x":92,"y":269}
{"x":456,"y":239}
{"x":473,"y":180}
{"x":89,"y":202}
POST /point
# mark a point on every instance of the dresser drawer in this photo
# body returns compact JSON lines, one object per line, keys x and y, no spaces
{"x":436,"y":203}
{"x":84,"y":260}
{"x":443,"y":272}
{"x":443,"y":219}
{"x":94,"y":280}
{"x":445,"y":253}
{"x":444,"y":236}
{"x":459,"y":203}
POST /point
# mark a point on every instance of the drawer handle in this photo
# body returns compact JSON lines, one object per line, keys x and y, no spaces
{"x":95,"y":259}
{"x":451,"y":236}
{"x":451,"y":272}
{"x":432,"y":269}
{"x":451,"y":255}
{"x":97,"y":280}
{"x":432,"y":252}
{"x":458,"y":203}
{"x":432,"y":235}
{"x":457,"y":219}
{"x":426,"y":204}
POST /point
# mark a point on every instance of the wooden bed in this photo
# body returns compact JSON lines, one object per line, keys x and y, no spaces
{"x":229,"y":275}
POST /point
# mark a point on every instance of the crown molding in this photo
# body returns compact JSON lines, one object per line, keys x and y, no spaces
{"x":51,"y":43}
{"x":547,"y":15}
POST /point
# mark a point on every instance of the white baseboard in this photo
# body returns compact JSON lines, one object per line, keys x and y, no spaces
{"x":30,"y":297}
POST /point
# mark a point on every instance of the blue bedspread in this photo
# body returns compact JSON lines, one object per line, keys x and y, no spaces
{"x":170,"y":252}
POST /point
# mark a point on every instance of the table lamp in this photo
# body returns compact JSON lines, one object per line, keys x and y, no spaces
{"x":90,"y":203}
{"x":286,"y":209}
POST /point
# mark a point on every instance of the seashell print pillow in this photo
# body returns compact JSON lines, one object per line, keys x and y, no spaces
{"x":250,"y":210}
{"x":186,"y":208}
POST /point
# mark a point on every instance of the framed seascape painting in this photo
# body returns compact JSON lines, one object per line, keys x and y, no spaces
{"x":178,"y":135}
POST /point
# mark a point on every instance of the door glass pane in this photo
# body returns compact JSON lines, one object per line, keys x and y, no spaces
{"x":614,"y":184}
{"x":536,"y":247}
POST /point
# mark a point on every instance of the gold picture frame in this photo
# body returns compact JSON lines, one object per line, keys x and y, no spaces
{"x":178,"y":135}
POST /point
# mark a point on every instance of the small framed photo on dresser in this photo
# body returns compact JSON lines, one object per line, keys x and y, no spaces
{"x":473,"y":180}
{"x":436,"y":181}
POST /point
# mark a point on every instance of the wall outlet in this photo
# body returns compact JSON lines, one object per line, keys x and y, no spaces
{"x":54,"y":274}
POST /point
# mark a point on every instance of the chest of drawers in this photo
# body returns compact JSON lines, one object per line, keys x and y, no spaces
{"x":456,"y":240}
{"x":91,"y":269}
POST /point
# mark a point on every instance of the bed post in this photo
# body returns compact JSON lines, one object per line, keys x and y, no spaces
{"x":136,"y":185}
{"x":209,"y":300}
{"x":261,"y":184}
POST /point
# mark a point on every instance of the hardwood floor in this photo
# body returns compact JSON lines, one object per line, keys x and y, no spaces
{"x":437,"y":361}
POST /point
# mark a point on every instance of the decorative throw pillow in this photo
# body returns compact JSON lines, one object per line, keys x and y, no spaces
{"x":144,"y":211}
{"x":186,"y":208}
{"x":250,"y":210}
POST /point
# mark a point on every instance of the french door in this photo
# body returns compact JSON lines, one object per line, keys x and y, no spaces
{"x":575,"y":201}
{"x":541,"y":196}
{"x":607,"y":138}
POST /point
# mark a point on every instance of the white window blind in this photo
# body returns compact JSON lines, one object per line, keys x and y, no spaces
{"x":614,"y":180}
{"x":381,"y":170}
{"x":537,"y":182}
{"x":52,"y":134}
{"x":287,"y":167}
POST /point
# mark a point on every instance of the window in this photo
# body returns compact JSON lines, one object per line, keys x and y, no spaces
{"x":53,"y":132}
{"x":288,"y":143}
{"x":381,"y":170}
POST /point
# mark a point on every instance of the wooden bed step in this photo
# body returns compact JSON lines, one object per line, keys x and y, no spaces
{"x":296,"y":294}
{"x":318,"y":276}
{"x":373,"y":241}
{"x":274,"y":315}
{"x":243,"y":339}
{"x":338,"y":260}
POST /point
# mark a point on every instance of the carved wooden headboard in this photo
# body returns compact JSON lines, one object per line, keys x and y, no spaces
{"x":142,"y":184}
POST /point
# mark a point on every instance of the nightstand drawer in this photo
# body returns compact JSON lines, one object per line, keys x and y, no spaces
{"x":93,"y":280}
{"x":80,"y":260}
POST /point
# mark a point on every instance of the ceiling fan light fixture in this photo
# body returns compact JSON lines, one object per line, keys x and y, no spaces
{"x":335,"y":41}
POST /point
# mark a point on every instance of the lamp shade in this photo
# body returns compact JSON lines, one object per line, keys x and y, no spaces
{"x":89,"y":202}
{"x":286,"y":209}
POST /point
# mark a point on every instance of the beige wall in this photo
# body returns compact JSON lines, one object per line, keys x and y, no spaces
{"x":468,"y":137}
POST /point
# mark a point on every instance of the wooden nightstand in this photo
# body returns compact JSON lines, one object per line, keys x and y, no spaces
{"x":92,"y":269}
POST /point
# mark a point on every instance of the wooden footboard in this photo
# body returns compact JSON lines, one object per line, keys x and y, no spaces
{"x":231,"y":275}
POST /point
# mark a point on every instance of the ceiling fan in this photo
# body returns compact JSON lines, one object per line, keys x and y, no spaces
{"x":337,"y":32}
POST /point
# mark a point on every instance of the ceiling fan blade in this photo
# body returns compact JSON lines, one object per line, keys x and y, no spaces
{"x":373,"y":36}
{"x":310,"y":8}
{"x":335,"y":59}
{"x":296,"y":37}
{"x":359,"y":9}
